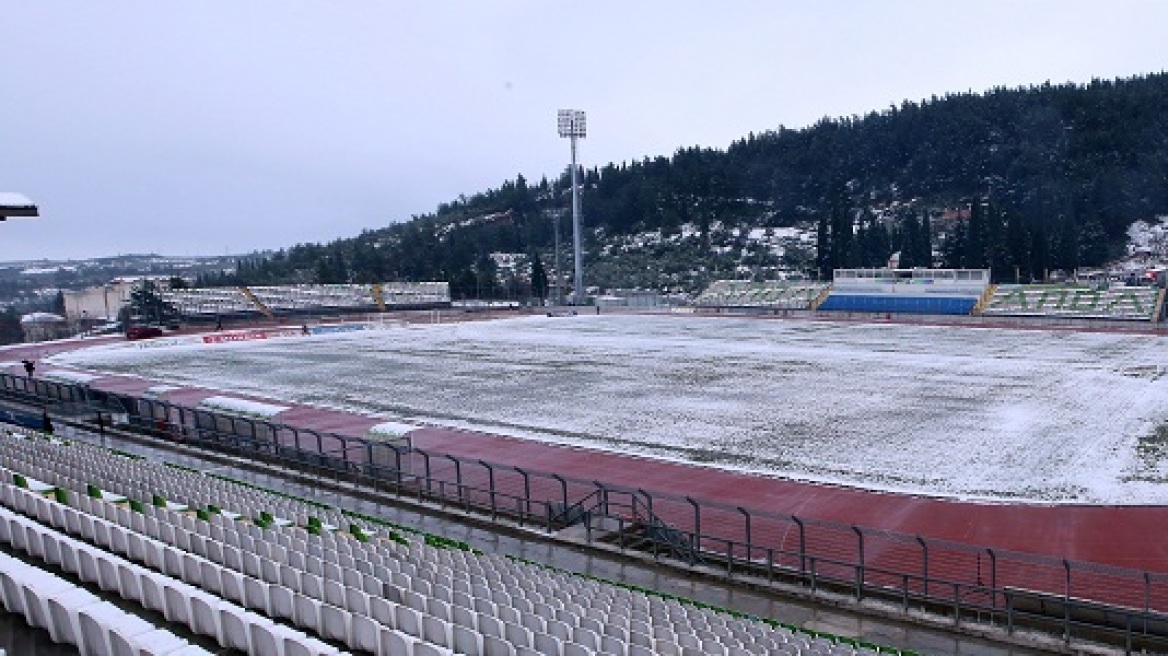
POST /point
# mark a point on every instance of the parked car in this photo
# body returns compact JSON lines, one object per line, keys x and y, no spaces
{"x":143,"y":332}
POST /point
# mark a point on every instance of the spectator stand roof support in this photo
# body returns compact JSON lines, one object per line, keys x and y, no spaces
{"x":16,"y":205}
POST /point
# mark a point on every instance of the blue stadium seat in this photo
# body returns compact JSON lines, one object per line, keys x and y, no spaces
{"x":899,"y":304}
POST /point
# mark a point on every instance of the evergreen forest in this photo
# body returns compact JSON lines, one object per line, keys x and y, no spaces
{"x":1025,"y":181}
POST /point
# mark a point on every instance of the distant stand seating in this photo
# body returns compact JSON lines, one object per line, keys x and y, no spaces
{"x":774,"y":294}
{"x":285,"y":300}
{"x":906,"y":291}
{"x":1075,"y":301}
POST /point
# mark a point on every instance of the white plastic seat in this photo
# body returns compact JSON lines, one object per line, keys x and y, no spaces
{"x":466,"y":640}
{"x":205,"y":614}
{"x":256,"y":595}
{"x":232,"y":627}
{"x":178,"y":604}
{"x":265,"y":639}
{"x":408,"y":620}
{"x":124,"y":634}
{"x":493,"y":646}
{"x":307,"y":612}
{"x":357,"y":601}
{"x":231,"y":586}
{"x":363,"y":633}
{"x":334,"y":622}
{"x":516,"y":635}
{"x":63,"y":606}
{"x":427,"y":649}
{"x":382,"y":611}
{"x":93,"y":632}
{"x":437,"y":631}
{"x":281,"y":602}
{"x":157,"y":643}
{"x":395,"y":642}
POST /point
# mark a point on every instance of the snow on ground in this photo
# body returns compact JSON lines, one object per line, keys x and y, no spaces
{"x":965,"y":412}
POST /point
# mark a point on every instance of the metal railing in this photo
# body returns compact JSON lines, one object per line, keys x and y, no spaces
{"x":1080,"y":601}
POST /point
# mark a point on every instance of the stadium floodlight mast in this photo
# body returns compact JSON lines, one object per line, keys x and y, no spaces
{"x":572,"y":125}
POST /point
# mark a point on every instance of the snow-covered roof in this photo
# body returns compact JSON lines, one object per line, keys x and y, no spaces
{"x":13,"y":199}
{"x":242,"y":406}
{"x":42,"y":317}
{"x":391,"y":429}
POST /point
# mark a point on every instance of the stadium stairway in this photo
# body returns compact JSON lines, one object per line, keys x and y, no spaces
{"x":265,"y":310}
{"x":379,"y":296}
{"x":821,"y":298}
{"x":985,"y":298}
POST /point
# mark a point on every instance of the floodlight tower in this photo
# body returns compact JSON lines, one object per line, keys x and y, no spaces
{"x":572,"y":125}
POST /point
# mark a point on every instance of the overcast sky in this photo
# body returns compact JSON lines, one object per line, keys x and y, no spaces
{"x":224,"y":126}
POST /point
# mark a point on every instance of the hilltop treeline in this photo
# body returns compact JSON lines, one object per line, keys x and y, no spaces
{"x":1035,"y":179}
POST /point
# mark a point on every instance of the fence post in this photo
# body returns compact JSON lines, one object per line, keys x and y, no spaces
{"x":491,"y":487}
{"x":397,"y":465}
{"x":749,"y":542}
{"x":993,"y":579}
{"x":526,"y":507}
{"x":1147,"y":598}
{"x":1067,"y":603}
{"x":695,"y":538}
{"x":426,"y":469}
{"x":457,"y":473}
{"x":811,"y":563}
{"x":602,"y":497}
{"x":802,"y":544}
{"x":924,"y":565}
{"x":860,"y":566}
{"x":563,"y":490}
{"x":650,"y":521}
{"x":648,"y":502}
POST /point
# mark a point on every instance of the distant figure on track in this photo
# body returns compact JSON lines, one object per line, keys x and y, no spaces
{"x":29,"y":367}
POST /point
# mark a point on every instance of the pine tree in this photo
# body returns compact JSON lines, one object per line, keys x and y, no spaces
{"x":1017,"y":248}
{"x":823,"y":248}
{"x":956,"y":246}
{"x":975,"y":237}
{"x":539,"y":278}
{"x":925,"y":242}
{"x":908,"y":243}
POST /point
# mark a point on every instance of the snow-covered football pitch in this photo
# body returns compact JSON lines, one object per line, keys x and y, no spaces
{"x":1052,"y":416}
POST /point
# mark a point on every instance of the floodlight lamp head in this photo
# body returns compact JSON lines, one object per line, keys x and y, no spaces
{"x":572,"y":123}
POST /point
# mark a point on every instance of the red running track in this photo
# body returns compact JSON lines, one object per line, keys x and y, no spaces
{"x":1125,"y":536}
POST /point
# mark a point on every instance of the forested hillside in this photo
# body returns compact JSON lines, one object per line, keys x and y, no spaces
{"x":1025,"y":181}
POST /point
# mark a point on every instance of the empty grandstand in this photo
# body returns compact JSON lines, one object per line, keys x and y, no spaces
{"x":772,"y":294}
{"x":293,"y":300}
{"x":193,"y":560}
{"x":1076,"y":302}
{"x":911,"y":291}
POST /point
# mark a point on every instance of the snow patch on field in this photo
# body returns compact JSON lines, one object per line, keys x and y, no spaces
{"x":937,"y":410}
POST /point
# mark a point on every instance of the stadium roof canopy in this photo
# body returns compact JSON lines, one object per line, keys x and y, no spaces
{"x":14,"y":204}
